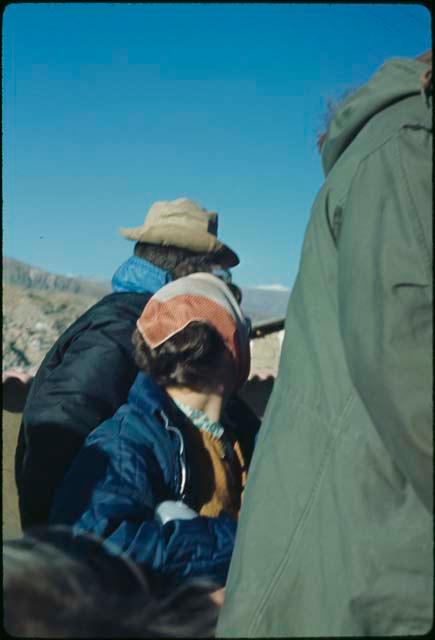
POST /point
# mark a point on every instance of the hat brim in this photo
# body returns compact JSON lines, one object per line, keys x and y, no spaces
{"x":179,"y":236}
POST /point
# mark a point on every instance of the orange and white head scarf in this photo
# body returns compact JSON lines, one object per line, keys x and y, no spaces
{"x":203,"y":297}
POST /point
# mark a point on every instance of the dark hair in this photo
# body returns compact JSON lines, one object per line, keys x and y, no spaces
{"x":199,"y":263}
{"x":204,"y":264}
{"x":183,"y":262}
{"x":191,"y":358}
{"x":51,"y":593}
{"x":169,"y":257}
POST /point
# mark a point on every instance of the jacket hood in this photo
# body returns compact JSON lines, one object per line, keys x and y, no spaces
{"x":395,"y":80}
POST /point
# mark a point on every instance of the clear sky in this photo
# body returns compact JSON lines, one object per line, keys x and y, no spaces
{"x":110,"y":107}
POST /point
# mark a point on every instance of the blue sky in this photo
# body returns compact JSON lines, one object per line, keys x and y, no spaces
{"x":110,"y":107}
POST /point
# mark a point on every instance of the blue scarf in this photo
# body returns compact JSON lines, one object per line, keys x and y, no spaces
{"x":140,"y":276}
{"x":201,"y":420}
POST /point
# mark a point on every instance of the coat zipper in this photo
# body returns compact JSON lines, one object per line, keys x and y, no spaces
{"x":169,"y":427}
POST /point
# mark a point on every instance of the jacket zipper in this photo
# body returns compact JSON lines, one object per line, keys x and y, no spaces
{"x":169,"y":427}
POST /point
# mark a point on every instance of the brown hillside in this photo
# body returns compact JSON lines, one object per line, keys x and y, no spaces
{"x":33,"y":320}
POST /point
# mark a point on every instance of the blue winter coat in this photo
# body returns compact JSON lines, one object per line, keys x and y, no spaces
{"x":127,"y":466}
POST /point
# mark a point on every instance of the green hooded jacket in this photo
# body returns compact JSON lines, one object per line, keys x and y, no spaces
{"x":335,"y":534}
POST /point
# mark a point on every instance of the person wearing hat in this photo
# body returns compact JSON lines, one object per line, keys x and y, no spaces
{"x":88,"y":372}
{"x":162,"y":479}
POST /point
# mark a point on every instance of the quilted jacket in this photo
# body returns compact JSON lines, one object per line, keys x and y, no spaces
{"x":126,"y":468}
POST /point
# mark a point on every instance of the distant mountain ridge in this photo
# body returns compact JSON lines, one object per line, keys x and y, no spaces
{"x":265,"y":303}
{"x":20,"y":274}
{"x":39,"y":306}
{"x":259,"y":303}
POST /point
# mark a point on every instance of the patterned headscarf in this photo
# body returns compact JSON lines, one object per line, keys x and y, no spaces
{"x":203,"y":297}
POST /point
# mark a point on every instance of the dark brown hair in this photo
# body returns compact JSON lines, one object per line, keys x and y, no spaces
{"x":200,"y":263}
{"x":170,"y":257}
{"x":204,"y":264}
{"x":191,"y":358}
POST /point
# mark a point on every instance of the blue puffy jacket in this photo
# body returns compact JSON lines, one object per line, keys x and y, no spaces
{"x":127,"y":466}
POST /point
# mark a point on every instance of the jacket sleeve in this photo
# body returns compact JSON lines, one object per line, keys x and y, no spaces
{"x":385,"y":298}
{"x":114,"y":497}
{"x":83,"y":389}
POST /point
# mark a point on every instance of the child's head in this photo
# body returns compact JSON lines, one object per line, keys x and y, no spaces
{"x":192,"y":333}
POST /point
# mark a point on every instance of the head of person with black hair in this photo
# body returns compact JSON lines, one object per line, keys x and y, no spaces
{"x":57,"y":584}
{"x":192,"y":335}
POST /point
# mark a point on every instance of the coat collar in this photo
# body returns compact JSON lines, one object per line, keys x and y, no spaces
{"x":139,"y":275}
{"x":150,"y":399}
{"x":146,"y":395}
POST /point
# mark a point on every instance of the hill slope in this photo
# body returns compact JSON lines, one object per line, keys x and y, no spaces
{"x":33,"y":320}
{"x":24,"y":275}
{"x":38,"y":306}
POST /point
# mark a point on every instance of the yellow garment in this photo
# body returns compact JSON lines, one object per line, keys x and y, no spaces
{"x":218,"y":478}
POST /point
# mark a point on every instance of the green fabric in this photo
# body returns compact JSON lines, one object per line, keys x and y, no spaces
{"x":335,"y":535}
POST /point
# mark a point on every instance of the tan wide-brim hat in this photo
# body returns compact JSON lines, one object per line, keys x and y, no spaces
{"x":182,"y":223}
